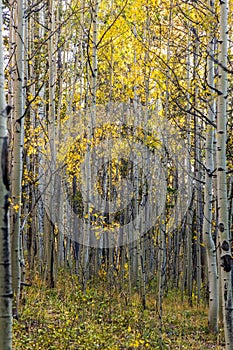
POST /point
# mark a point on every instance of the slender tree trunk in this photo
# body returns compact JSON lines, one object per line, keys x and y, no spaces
{"x":49,"y":219}
{"x":18,"y":139}
{"x":40,"y":157}
{"x":189,"y":219}
{"x":197,"y":155}
{"x":161,"y":275}
{"x":208,"y":197}
{"x":5,"y":257}
{"x":230,"y":196}
{"x":223,"y":228}
{"x":90,"y":156}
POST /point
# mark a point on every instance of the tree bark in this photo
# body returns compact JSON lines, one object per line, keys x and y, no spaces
{"x":5,"y":256}
{"x":213,"y":287}
{"x":18,"y":139}
{"x":223,"y":229}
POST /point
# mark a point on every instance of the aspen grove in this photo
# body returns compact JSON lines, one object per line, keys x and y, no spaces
{"x":116,"y":185}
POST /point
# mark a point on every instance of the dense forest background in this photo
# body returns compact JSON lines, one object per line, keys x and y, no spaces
{"x":116,"y":182}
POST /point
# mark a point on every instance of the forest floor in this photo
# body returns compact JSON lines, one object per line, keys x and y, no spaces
{"x":105,"y":318}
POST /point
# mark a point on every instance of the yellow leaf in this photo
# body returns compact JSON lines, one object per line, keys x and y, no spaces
{"x":16,"y":207}
{"x":135,"y":344}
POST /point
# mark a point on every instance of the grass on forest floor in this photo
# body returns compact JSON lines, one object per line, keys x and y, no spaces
{"x":104,"y":318}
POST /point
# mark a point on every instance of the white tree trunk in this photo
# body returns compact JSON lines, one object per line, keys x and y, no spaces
{"x":223,"y":228}
{"x":189,"y":248}
{"x":5,"y":258}
{"x":49,"y":218}
{"x":18,"y":138}
{"x":90,"y":159}
{"x":208,"y":198}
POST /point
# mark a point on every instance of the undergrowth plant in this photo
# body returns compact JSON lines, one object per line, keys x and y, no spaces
{"x":105,"y":318}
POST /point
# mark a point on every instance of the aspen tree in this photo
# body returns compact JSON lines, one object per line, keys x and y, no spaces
{"x":138,"y":264}
{"x":18,"y":141}
{"x":189,"y":247}
{"x":230,"y":196}
{"x":49,"y":219}
{"x":5,"y":257}
{"x":208,"y":188}
{"x":88,"y":169}
{"x":59,"y":209}
{"x":41,"y":160}
{"x":39,"y":62}
{"x":162,"y":256}
{"x":30,"y":162}
{"x":223,"y":228}
{"x":197,"y":155}
{"x":94,"y":82}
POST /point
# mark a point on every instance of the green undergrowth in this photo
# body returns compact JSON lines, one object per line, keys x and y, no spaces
{"x":106,"y":318}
